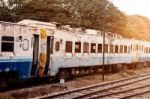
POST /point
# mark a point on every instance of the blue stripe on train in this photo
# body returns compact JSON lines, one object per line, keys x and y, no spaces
{"x":22,"y":67}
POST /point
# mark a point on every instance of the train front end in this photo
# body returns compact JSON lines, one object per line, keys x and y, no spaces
{"x":15,"y":52}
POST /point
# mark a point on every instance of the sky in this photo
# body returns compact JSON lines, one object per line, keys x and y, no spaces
{"x":133,"y":7}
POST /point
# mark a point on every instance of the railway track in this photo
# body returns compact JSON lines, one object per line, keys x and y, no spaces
{"x":30,"y":83}
{"x":124,"y":88}
{"x":25,"y":84}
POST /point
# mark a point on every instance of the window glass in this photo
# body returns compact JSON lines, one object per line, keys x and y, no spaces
{"x":116,"y":48}
{"x":99,"y":48}
{"x":93,"y":48}
{"x":57,"y":46}
{"x":85,"y":47}
{"x":125,"y":49}
{"x":111,"y":49}
{"x":69,"y":46}
{"x":7,"y":44}
{"x":77,"y":47}
{"x":121,"y":48}
{"x":147,"y":49}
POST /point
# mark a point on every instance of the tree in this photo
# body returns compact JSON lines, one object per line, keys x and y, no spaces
{"x":80,"y":13}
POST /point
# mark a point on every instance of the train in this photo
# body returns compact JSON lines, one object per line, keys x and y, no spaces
{"x":33,"y":48}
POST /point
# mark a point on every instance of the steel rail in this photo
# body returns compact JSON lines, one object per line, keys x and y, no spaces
{"x":137,"y":94}
{"x":119,"y":92}
{"x":61,"y":94}
{"x":117,"y":86}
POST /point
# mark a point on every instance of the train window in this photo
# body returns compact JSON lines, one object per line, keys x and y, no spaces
{"x":111,"y":49}
{"x":77,"y":47}
{"x":116,"y":48}
{"x":69,"y":46}
{"x":125,"y":49}
{"x":147,"y":49}
{"x":57,"y":46}
{"x":99,"y":48}
{"x":85,"y":47}
{"x":106,"y":48}
{"x":7,"y":44}
{"x":93,"y":48}
{"x":121,"y":48}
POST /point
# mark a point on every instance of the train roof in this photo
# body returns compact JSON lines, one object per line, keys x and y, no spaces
{"x":11,"y":23}
{"x":35,"y":23}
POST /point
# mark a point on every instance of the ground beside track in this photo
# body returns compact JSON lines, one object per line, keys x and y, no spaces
{"x":75,"y":83}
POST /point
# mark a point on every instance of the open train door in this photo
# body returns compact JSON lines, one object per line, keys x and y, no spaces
{"x":49,"y":51}
{"x":35,"y":55}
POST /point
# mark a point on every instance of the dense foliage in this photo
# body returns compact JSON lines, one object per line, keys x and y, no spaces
{"x":138,"y":27}
{"x":78,"y":13}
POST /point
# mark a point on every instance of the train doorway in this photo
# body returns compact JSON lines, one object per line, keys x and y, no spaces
{"x":35,"y":55}
{"x":48,"y":53}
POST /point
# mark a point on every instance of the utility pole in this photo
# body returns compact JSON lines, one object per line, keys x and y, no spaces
{"x":104,"y":23}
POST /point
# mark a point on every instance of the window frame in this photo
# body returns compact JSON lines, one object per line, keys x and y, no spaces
{"x":116,"y":49}
{"x":77,"y":50}
{"x":125,"y":49}
{"x":93,"y":50}
{"x":57,"y":46}
{"x":6,"y":41}
{"x":99,"y":48}
{"x":111,"y":48}
{"x":67,"y":50}
{"x":84,"y":48}
{"x":121,"y":49}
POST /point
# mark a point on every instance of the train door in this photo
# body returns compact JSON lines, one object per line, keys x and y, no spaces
{"x":35,"y":55}
{"x":48,"y":53}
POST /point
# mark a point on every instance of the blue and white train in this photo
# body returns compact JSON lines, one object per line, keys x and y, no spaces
{"x":38,"y":49}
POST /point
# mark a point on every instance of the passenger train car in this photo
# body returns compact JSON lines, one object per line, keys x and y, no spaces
{"x":38,"y":49}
